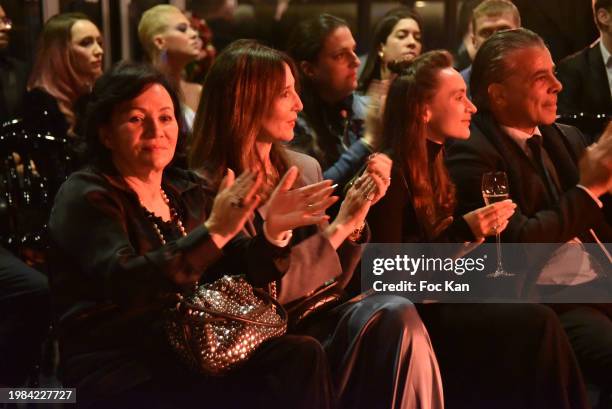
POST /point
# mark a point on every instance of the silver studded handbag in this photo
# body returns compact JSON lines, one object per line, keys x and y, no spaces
{"x":220,"y":324}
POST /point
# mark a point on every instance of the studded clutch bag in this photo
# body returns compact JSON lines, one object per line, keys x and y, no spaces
{"x":220,"y":324}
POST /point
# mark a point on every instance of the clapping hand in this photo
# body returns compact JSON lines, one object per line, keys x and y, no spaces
{"x":235,"y":202}
{"x":596,"y":165}
{"x":377,"y":93}
{"x":289,"y":208}
{"x":353,"y":210}
{"x":379,"y":170}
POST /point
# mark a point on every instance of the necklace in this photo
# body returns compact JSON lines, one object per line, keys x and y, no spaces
{"x":173,"y":217}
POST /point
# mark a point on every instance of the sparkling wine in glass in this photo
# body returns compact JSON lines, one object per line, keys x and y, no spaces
{"x":495,"y":189}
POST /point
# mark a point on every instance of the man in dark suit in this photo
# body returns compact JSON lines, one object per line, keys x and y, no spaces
{"x":554,"y":181}
{"x":587,"y":75}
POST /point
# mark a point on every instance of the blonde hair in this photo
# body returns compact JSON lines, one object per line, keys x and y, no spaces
{"x":54,"y":70}
{"x":152,"y":23}
{"x":495,"y":8}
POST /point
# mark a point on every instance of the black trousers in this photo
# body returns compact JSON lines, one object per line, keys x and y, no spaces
{"x":24,"y":318}
{"x":588,"y":326}
{"x":504,"y":356}
{"x":589,"y":330}
{"x":286,"y":372}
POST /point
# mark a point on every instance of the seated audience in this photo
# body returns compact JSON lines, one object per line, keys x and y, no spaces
{"x":555,"y":182}
{"x":252,"y":87}
{"x":130,"y":231}
{"x":171,"y":43}
{"x":331,"y":126}
{"x":426,"y":105}
{"x":397,"y":36}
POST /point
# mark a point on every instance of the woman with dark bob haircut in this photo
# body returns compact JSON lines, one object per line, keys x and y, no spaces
{"x":129,"y":232}
{"x":378,"y":349}
{"x":514,"y":355}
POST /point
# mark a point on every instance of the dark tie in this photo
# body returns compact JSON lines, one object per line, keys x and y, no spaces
{"x":535,"y":145}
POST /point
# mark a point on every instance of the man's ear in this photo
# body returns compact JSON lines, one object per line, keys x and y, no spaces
{"x":497,"y":94}
{"x":308,"y":69}
{"x":603,"y":17}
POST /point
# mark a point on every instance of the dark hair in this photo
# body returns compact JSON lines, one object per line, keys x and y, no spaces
{"x":238,"y":92}
{"x":433,"y":194}
{"x":305,"y":44}
{"x":307,"y":39}
{"x":383,"y":29}
{"x":601,"y":4}
{"x":492,"y":63}
{"x":121,"y":83}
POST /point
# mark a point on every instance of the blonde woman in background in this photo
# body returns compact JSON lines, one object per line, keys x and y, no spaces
{"x":170,"y":43}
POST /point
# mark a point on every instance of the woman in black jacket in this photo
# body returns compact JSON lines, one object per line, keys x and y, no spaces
{"x":129,"y":232}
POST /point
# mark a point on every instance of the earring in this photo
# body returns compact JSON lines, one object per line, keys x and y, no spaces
{"x":381,"y":54}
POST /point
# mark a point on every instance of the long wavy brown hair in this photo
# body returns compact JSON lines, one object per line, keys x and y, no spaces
{"x":53,"y":70}
{"x":405,"y":134}
{"x":239,"y":91}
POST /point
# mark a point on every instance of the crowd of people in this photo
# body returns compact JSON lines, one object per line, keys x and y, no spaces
{"x":282,"y":166}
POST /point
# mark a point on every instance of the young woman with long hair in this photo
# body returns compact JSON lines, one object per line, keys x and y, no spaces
{"x":247,"y":114}
{"x":68,"y":61}
{"x":426,"y":106}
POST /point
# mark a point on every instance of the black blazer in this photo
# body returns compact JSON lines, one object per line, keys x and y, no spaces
{"x":585,"y":83}
{"x":537,"y":219}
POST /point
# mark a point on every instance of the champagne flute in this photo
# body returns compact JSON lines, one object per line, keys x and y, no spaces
{"x":495,"y":189}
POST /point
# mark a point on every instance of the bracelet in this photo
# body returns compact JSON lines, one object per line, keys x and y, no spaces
{"x":356,"y":234}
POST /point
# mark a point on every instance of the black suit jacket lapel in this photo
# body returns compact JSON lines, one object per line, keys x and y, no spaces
{"x":599,"y":86}
{"x":563,"y":159}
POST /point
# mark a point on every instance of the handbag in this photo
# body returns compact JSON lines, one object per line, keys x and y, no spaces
{"x":320,"y":300}
{"x":221,"y":324}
